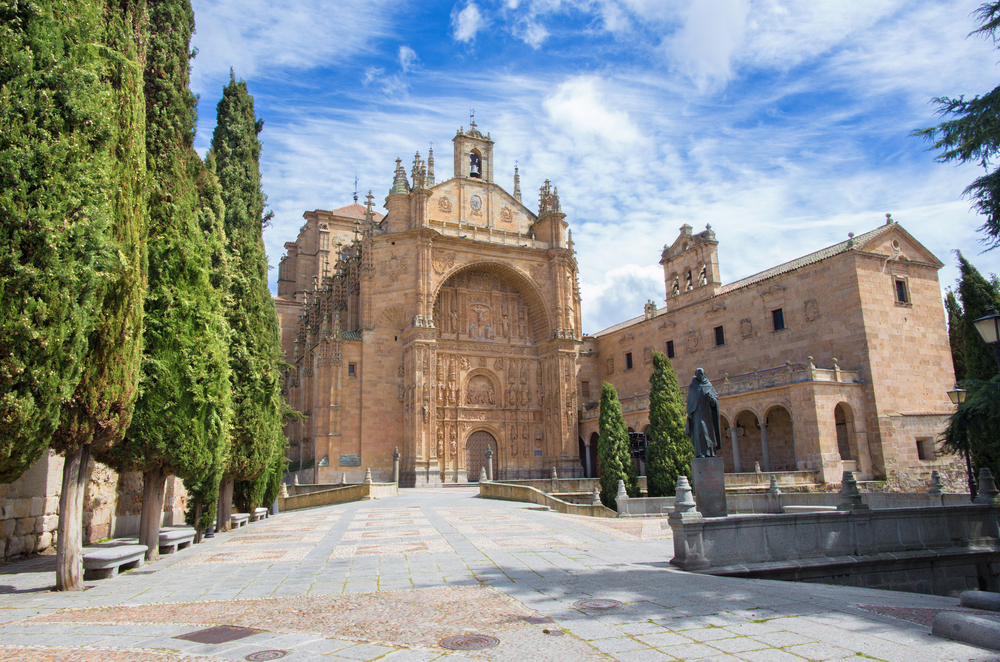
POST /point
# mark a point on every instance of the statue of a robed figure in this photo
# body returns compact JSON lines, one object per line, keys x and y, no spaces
{"x":703,"y":425}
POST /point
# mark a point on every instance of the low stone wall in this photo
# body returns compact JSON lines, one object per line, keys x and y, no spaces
{"x":335,"y":495}
{"x":528,"y":494}
{"x":760,"y":504}
{"x":645,"y":507}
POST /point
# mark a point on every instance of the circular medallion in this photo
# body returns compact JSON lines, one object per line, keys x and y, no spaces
{"x":261,"y":656}
{"x":476,"y":202}
{"x":470,"y":642}
{"x":597,"y":603}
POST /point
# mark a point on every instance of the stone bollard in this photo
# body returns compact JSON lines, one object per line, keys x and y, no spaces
{"x":482,"y":475}
{"x":395,"y":465}
{"x":554,"y":485}
{"x":283,"y":491}
{"x":850,"y":497}
{"x":756,"y":467}
{"x":368,"y":475}
{"x":773,"y":489}
{"x":489,"y":463}
{"x":988,"y":492}
{"x":935,"y":483}
{"x":688,"y":540}
{"x":622,"y":499}
{"x":295,"y":481}
{"x":595,"y":499}
{"x":343,"y":478}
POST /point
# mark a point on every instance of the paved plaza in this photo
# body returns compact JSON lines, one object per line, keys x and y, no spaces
{"x":398,"y":579}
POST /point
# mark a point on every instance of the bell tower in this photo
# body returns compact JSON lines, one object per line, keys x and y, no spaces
{"x":691,"y":267}
{"x":473,"y":154}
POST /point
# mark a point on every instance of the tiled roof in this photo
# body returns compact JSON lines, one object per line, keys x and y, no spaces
{"x":351,"y":335}
{"x":354,"y":210}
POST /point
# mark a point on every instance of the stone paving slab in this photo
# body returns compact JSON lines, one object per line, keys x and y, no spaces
{"x":388,"y":579}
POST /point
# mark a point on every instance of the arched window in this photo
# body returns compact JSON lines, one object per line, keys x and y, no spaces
{"x":475,"y":165}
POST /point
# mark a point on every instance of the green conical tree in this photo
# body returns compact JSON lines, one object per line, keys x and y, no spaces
{"x":614,"y":462}
{"x":54,"y":171}
{"x":956,"y":334}
{"x":255,"y":356}
{"x":670,"y":451}
{"x":977,"y":295}
{"x":181,"y":418}
{"x":99,"y":412}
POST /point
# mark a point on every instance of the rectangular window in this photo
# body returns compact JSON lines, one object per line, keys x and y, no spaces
{"x":720,"y":336}
{"x":628,"y":360}
{"x":902,"y":291}
{"x":778,"y":317}
{"x":925,"y":449}
{"x":670,"y":349}
{"x":585,"y":390}
{"x":351,"y":371}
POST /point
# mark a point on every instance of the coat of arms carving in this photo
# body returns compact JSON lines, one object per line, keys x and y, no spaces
{"x":444,"y":204}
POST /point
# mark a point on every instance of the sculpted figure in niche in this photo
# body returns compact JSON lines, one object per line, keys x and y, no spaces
{"x":472,"y":329}
{"x":505,"y":327}
{"x":440,"y":442}
{"x":703,"y":427}
{"x":480,"y":392}
{"x":488,"y":331}
{"x":454,"y":321}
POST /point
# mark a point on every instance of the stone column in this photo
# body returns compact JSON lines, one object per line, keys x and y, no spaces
{"x":395,"y":466}
{"x":489,"y":463}
{"x":737,"y":467}
{"x":763,"y":445}
{"x":586,"y":468}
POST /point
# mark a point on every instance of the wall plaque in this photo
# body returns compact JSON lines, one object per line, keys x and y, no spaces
{"x":350,"y":460}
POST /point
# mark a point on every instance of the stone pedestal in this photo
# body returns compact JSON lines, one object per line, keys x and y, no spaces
{"x":709,"y":485}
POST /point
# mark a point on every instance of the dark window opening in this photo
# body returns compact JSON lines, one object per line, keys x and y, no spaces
{"x":902,"y":296}
{"x":670,"y":349}
{"x":628,"y":360}
{"x":778,"y":317}
{"x":585,"y":390}
{"x":475,"y":166}
{"x":350,"y":370}
{"x":925,"y":449}
{"x":720,"y":336}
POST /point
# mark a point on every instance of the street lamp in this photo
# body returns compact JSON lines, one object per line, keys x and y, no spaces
{"x":957,"y":396}
{"x":989,"y":328}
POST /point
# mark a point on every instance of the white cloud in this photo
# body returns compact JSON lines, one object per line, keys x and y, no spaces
{"x":579,"y":107}
{"x":407,"y":58}
{"x":712,"y":33}
{"x":533,"y":34}
{"x":467,"y":22}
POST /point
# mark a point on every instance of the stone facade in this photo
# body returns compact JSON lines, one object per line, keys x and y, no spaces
{"x":448,"y":325}
{"x":453,"y":323}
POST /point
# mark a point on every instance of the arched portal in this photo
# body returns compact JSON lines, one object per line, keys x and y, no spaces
{"x":847,"y":445}
{"x":475,"y":454}
{"x":592,"y":451}
{"x":730,"y":463}
{"x":780,"y":439}
{"x":582,"y":447}
{"x":748,"y":439}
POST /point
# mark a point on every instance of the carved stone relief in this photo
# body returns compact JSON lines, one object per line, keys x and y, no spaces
{"x":692,"y":339}
{"x":746,"y":328}
{"x":647,"y":355}
{"x":506,"y":215}
{"x":480,"y":392}
{"x":443,"y":261}
{"x":611,"y":366}
{"x":444,"y":204}
{"x":392,"y":268}
{"x":538,"y":272}
{"x":812,"y":310}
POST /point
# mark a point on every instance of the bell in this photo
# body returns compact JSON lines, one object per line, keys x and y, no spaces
{"x":474,"y":169}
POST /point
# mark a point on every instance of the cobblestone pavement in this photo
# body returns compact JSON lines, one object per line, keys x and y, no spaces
{"x":394,"y":579}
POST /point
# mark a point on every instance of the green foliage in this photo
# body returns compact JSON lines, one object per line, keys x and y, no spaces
{"x":263,"y":490}
{"x":182,"y":415}
{"x":956,"y":334}
{"x":275,"y":474}
{"x":976,"y":295}
{"x":614,"y":462}
{"x":972,"y":134}
{"x":670,"y":451}
{"x":975,"y":423}
{"x":255,"y":356}
{"x":99,"y":412}
{"x":56,"y":131}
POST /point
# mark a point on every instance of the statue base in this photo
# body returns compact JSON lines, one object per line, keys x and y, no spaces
{"x":709,"y":483}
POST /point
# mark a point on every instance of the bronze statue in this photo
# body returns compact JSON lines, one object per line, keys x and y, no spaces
{"x":703,"y":416}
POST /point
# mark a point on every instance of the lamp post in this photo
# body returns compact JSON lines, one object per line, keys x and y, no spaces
{"x":957,"y":396}
{"x":989,"y":328}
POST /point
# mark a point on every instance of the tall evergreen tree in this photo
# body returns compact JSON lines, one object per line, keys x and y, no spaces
{"x":670,"y":451}
{"x":98,"y":413}
{"x":977,"y":295}
{"x":54,"y":214}
{"x":614,"y":462}
{"x":255,"y":356}
{"x":182,"y":415}
{"x":956,"y":334}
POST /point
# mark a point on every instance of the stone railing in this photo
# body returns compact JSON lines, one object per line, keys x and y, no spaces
{"x":491,"y":235}
{"x":334,"y":495}
{"x":509,"y":492}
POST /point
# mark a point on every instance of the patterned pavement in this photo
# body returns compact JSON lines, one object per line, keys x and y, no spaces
{"x":394,"y":579}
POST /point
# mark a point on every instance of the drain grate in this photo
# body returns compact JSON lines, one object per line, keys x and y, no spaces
{"x":597,"y":603}
{"x":218,"y":635}
{"x":262,"y":656}
{"x":469,"y":642}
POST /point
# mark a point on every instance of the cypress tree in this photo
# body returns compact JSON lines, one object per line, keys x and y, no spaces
{"x":255,"y":357}
{"x":613,"y":457}
{"x":54,"y":214}
{"x":670,"y":451}
{"x":182,"y":414}
{"x":977,"y":295}
{"x":97,"y":415}
{"x":956,"y":334}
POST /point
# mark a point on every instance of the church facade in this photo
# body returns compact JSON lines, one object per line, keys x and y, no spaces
{"x":452,"y":324}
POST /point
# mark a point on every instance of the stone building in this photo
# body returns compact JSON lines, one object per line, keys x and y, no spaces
{"x":449,"y":325}
{"x":452,"y":323}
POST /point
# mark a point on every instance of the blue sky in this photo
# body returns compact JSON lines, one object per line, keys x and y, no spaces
{"x":782,"y":123}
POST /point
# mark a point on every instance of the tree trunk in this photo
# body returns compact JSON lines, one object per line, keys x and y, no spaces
{"x":225,"y":512}
{"x":69,"y":543}
{"x":198,"y":532}
{"x":153,"y":482}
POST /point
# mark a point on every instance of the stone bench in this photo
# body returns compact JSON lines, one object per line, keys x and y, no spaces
{"x":258,"y":514}
{"x":239,"y":519}
{"x":103,"y":561}
{"x":809,"y":509}
{"x":176,"y":538}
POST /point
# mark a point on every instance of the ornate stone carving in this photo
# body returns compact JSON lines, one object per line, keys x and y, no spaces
{"x":442,"y":262}
{"x":647,"y":355}
{"x":498,"y":365}
{"x":476,"y":203}
{"x":692,"y":339}
{"x":506,"y":215}
{"x":611,"y":366}
{"x":538,"y":272}
{"x":812,"y":310}
{"x":444,"y":204}
{"x":480,"y":392}
{"x":746,"y":328}
{"x":392,"y":268}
